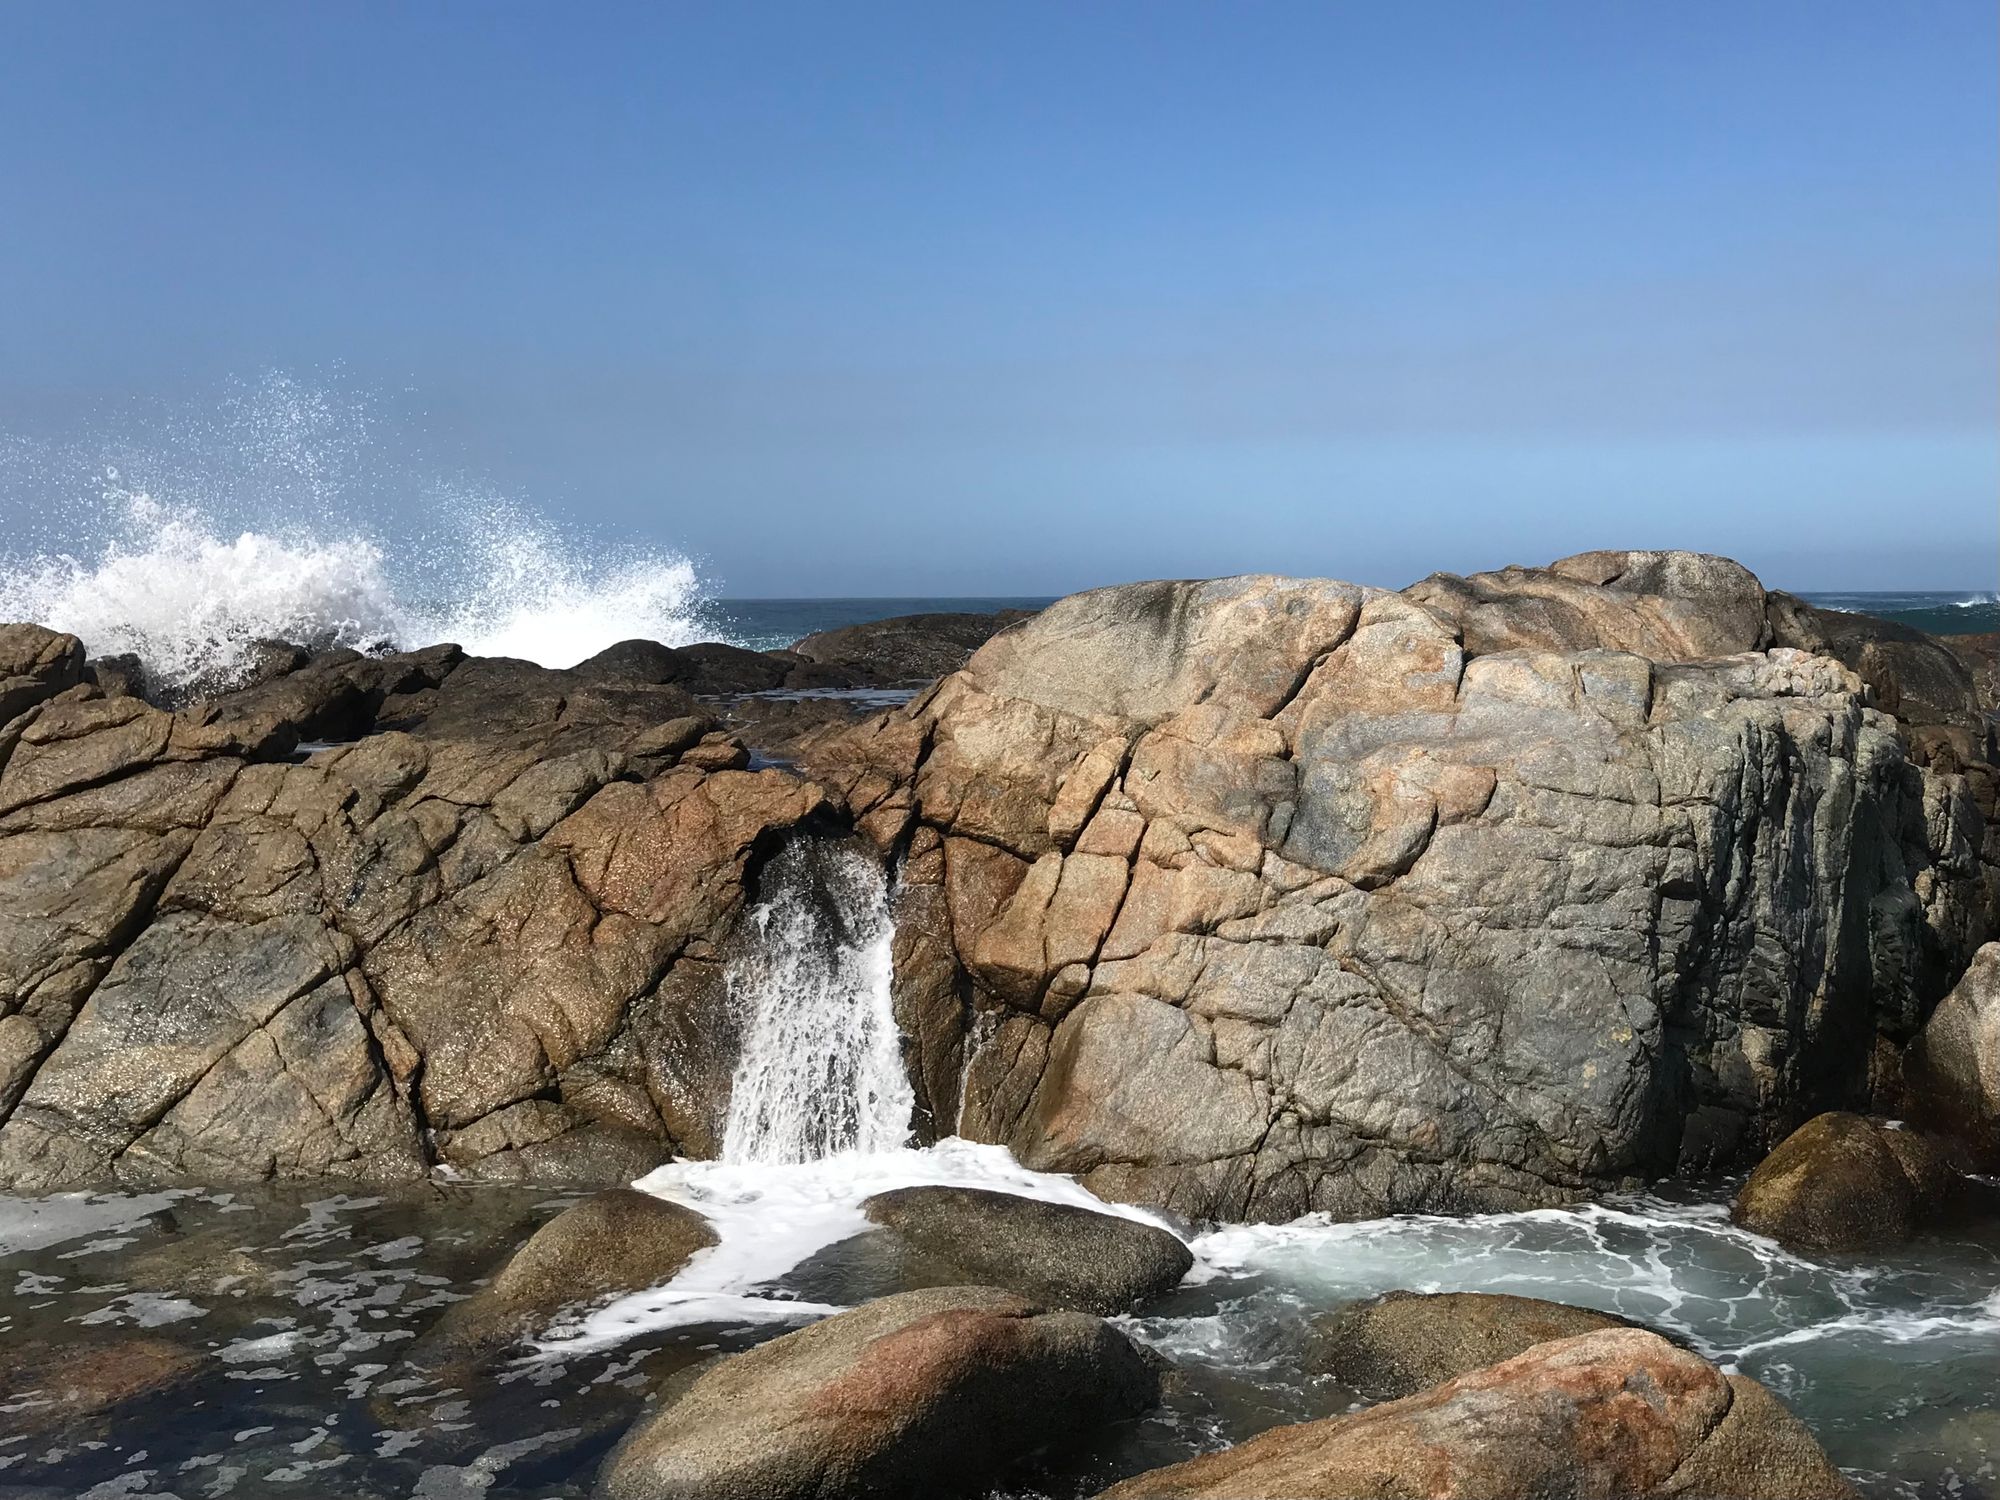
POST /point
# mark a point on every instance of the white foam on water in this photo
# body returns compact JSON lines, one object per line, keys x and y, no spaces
{"x":246,"y":527}
{"x":770,"y":1217}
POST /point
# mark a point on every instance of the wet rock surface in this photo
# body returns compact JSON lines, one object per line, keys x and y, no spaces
{"x":1617,"y":1412}
{"x":610,"y":1244}
{"x":1259,"y":896}
{"x":1844,"y":1182}
{"x":927,"y":1393}
{"x":1058,"y":1254}
{"x":1400,"y":1343}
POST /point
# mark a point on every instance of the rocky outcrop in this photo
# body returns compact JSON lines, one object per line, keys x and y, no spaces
{"x":485,"y":931}
{"x":907,"y":649}
{"x":915,"y":1395}
{"x":1395,"y":1345}
{"x":1951,"y":1073}
{"x":1842,"y":1182}
{"x":610,"y":1244}
{"x":1059,"y":1254}
{"x":1262,"y":895}
{"x":1619,"y":1412}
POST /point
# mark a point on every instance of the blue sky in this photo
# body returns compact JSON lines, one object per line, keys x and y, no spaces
{"x":924,"y":298}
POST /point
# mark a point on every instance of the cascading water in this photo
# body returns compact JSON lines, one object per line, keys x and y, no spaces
{"x":821,"y":1071}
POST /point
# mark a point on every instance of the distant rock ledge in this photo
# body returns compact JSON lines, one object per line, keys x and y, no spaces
{"x":1238,"y":898}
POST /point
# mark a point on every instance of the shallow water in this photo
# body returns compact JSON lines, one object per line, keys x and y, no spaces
{"x":301,"y":1303}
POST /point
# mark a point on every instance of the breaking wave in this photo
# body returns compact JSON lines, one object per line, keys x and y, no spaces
{"x":246,"y":529}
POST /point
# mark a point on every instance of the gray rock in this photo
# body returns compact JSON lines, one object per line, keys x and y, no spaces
{"x":1400,"y":1343}
{"x":1258,"y":896}
{"x":1056,"y":1253}
{"x":926,"y":1393}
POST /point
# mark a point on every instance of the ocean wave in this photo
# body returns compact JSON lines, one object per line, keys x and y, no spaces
{"x":188,"y":557}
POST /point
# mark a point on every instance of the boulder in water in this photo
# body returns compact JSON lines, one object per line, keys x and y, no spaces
{"x":1951,"y":1072}
{"x":1845,"y":1182}
{"x":1400,"y":1343}
{"x":46,"y":1388}
{"x":612,"y":1243}
{"x":1059,"y":1254}
{"x":916,"y":1395}
{"x":1619,"y":1412}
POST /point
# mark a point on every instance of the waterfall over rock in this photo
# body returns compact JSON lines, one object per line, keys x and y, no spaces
{"x":821,"y":1071}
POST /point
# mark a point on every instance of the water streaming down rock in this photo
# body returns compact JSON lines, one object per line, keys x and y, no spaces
{"x":821,"y":1070}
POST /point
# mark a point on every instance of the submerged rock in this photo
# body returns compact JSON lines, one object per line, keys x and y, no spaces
{"x":1259,"y":896}
{"x":1843,"y":1182}
{"x":611,"y":1243}
{"x":1951,"y":1072}
{"x":926,"y":1393}
{"x":1059,"y":1254}
{"x":45,"y":1388}
{"x":1400,"y":1343}
{"x":1620,"y":1412}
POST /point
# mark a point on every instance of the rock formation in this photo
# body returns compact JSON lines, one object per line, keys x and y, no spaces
{"x":1261,"y":895}
{"x":485,"y":932}
{"x":1240,"y":898}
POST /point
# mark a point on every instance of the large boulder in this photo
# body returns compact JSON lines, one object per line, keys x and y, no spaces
{"x":1060,"y":1254}
{"x":1619,"y":1412}
{"x":1951,"y":1072}
{"x":610,"y":1244}
{"x":1260,"y":896}
{"x":920,"y":1394}
{"x":1400,"y":1343}
{"x":1843,"y":1182}
{"x":371,"y":916}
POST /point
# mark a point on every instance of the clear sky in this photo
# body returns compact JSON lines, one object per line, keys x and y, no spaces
{"x":956,"y":298}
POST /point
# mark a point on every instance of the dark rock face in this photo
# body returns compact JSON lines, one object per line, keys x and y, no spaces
{"x":1395,"y":1345}
{"x":612,"y":1243}
{"x":1843,"y":1182}
{"x":1056,"y":1253}
{"x":1951,"y":1072}
{"x":1619,"y":1412}
{"x":476,"y":934}
{"x":1261,"y":895}
{"x":922,"y":1394}
{"x":907,"y":650}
